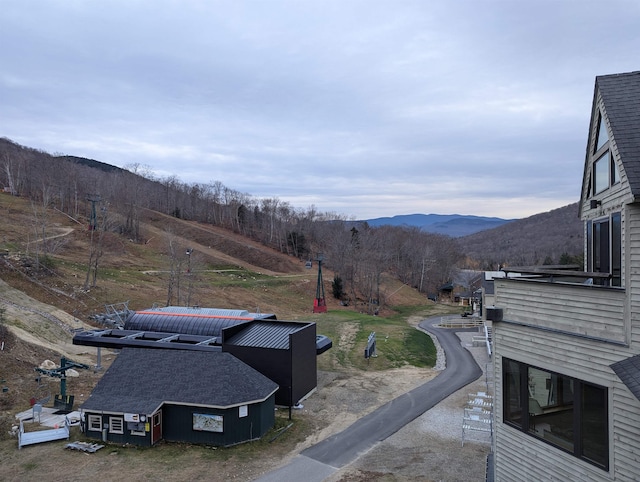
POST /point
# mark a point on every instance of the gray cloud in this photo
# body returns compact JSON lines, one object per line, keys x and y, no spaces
{"x":365,"y":108}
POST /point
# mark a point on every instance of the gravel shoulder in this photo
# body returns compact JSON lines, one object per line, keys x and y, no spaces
{"x":430,"y":448}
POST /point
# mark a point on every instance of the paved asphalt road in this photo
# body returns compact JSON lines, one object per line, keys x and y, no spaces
{"x":318,"y":462}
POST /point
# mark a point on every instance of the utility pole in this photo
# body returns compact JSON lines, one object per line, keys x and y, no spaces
{"x":189,"y":251}
{"x":320,"y":304}
{"x":93,"y":218}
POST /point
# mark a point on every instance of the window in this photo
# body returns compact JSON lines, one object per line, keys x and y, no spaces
{"x":616,"y":249}
{"x":615,"y":173}
{"x":604,"y":238}
{"x":95,"y":422}
{"x":594,"y":424}
{"x":551,"y":406}
{"x":605,"y":173}
{"x":563,"y":411}
{"x":116,"y":425}
{"x":605,"y":170}
{"x":243,"y":411}
{"x":512,"y":402}
{"x":601,"y":171}
{"x":603,"y":136}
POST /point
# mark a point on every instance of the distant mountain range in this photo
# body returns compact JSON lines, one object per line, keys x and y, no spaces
{"x":454,"y":225}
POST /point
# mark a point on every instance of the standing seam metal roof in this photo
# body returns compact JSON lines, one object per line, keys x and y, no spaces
{"x":266,"y":335}
{"x":205,"y":325}
{"x":192,"y":321}
{"x":201,"y":311}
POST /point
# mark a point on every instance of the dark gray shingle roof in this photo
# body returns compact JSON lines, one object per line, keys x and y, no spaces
{"x":621,"y":96}
{"x":628,"y":370}
{"x":141,"y":379}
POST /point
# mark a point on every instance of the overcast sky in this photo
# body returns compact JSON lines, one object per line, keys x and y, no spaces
{"x":364,"y":108}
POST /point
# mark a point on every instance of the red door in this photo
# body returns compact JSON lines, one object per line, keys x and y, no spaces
{"x":156,"y":427}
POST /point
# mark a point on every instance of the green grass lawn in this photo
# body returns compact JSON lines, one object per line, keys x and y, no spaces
{"x":398,"y":343}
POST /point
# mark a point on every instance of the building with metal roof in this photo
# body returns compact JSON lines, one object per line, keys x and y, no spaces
{"x":192,"y":321}
{"x":284,"y":351}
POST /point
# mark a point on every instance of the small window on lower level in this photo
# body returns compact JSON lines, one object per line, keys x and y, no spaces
{"x":563,"y":411}
{"x":94,"y":422}
{"x":116,"y":425}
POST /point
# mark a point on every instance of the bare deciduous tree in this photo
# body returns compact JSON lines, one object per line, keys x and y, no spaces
{"x":14,"y":169}
{"x":97,"y":235}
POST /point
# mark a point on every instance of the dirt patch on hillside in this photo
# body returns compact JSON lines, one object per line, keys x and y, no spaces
{"x":220,"y":244}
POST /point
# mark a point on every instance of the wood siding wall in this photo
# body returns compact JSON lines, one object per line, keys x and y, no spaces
{"x":576,"y":357}
{"x":577,"y":331}
{"x":590,"y":311}
{"x":631,"y":239}
{"x":626,"y":433}
{"x":178,"y":423}
{"x":119,"y":438}
{"x":613,"y":198}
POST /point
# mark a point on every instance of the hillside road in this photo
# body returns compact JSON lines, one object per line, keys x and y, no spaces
{"x":319,"y":461}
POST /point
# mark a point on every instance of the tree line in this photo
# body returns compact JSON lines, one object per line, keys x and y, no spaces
{"x":114,"y":198}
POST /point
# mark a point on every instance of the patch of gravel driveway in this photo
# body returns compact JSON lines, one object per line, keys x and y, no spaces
{"x":430,"y":448}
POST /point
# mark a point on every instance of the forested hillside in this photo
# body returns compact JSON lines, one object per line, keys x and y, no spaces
{"x":114,"y":200}
{"x":554,"y":237}
{"x":117,"y":200}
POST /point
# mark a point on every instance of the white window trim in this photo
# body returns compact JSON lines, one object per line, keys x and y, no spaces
{"x":118,"y":421}
{"x":94,"y":423}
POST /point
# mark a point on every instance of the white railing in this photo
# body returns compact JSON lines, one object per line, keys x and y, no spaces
{"x":40,"y":436}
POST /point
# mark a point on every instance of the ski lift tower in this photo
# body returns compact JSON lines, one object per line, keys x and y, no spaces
{"x":319,"y":304}
{"x":93,"y":220}
{"x":62,"y":401}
